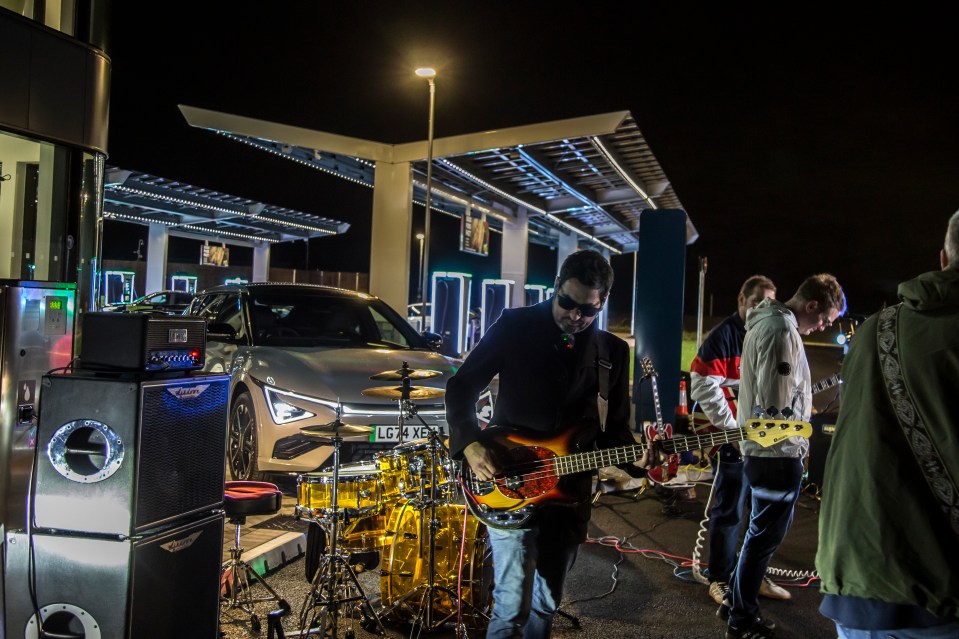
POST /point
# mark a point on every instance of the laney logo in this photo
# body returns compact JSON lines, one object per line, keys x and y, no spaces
{"x":178,"y":335}
{"x":188,"y":392}
{"x":180,"y":544}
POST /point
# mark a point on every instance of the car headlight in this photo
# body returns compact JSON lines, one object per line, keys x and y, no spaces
{"x":282,"y":410}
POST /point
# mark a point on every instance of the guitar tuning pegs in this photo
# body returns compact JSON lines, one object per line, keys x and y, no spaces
{"x":757,"y":411}
{"x":771,"y":411}
{"x":787,"y":412}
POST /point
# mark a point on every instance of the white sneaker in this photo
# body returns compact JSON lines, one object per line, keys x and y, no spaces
{"x":719,"y":590}
{"x":768,"y":588}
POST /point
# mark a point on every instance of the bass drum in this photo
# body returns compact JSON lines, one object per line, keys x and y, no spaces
{"x":405,"y":565}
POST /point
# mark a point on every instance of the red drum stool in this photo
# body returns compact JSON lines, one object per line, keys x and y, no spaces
{"x":242,"y":498}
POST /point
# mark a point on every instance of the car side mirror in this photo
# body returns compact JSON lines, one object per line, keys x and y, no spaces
{"x":433,"y":340}
{"x":223,"y":332}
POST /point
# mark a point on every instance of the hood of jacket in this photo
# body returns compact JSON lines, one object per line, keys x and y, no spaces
{"x":931,"y":291}
{"x":769,"y":308}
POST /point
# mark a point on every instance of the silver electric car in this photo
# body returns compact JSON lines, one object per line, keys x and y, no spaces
{"x":297,"y":352}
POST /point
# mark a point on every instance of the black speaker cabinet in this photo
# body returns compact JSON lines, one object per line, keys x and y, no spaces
{"x":160,"y":585}
{"x":823,"y":427}
{"x":123,"y":456}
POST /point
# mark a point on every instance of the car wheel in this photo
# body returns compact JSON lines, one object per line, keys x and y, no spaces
{"x":241,"y":453}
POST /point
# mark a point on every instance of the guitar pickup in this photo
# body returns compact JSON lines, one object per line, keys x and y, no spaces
{"x":514,"y":483}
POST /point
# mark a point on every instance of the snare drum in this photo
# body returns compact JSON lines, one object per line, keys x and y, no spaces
{"x":359,"y":492}
{"x":407,"y":469}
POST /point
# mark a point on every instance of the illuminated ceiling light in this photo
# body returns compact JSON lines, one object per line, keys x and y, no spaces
{"x":200,"y":229}
{"x":264,"y":147}
{"x":426,"y":72}
{"x":529,"y":206}
{"x":622,"y":173}
{"x":490,"y":187}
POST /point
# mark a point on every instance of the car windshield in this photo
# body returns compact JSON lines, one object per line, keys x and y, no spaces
{"x":300,"y":318}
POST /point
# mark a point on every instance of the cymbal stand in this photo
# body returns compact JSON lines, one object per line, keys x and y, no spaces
{"x":424,"y":617}
{"x":327,"y":583}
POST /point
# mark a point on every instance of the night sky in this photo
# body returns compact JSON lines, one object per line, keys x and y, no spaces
{"x":797,"y":143}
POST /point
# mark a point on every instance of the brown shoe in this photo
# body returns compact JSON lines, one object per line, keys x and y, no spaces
{"x":772,"y":590}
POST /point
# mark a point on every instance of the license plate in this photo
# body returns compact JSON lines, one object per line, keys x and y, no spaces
{"x":391,"y":433}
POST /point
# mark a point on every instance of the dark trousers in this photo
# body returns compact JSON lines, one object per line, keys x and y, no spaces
{"x":775,"y":484}
{"x":726,"y":512}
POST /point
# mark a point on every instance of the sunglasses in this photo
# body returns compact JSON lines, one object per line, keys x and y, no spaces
{"x":567,"y":304}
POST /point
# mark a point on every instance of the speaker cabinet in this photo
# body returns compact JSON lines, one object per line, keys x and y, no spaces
{"x":160,"y":585}
{"x":124,"y":456}
{"x":823,"y":427}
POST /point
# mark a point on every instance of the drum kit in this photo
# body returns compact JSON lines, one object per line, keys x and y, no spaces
{"x":405,"y":504}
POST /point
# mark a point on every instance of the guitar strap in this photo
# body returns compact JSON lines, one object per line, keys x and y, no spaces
{"x":603,"y":368}
{"x":921,"y":444}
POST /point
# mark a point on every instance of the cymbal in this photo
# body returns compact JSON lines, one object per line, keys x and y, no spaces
{"x":396,"y":392}
{"x":406,"y":373}
{"x":329,"y":430}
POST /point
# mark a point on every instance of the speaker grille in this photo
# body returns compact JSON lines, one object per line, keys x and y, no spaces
{"x":182,"y":448}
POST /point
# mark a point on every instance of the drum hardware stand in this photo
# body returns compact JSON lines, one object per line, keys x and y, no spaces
{"x":424,"y":618}
{"x":332,"y":569}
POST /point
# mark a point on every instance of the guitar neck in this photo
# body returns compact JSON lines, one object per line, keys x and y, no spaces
{"x":591,"y":460}
{"x":659,"y":412}
{"x":827,"y":383}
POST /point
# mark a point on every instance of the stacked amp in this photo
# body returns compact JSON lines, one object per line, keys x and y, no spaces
{"x":125,"y":537}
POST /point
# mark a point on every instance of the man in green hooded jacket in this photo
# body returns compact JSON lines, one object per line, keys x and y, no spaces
{"x":888,"y":543}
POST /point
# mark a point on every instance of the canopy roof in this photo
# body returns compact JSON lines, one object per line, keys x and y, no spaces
{"x":191,"y":210}
{"x":593,"y":175}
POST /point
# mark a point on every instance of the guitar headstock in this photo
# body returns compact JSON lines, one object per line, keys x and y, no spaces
{"x":646,"y":365}
{"x":767,"y":432}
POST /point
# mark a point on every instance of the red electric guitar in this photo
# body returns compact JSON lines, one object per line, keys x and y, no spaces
{"x":667,"y":470}
{"x":534,"y":465}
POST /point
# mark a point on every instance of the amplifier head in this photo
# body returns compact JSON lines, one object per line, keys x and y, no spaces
{"x":142,"y":342}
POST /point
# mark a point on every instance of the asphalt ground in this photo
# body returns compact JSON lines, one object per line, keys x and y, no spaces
{"x":633,"y":578}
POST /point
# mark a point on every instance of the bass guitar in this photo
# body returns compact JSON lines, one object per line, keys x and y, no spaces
{"x":701,"y":424}
{"x":533,"y":466}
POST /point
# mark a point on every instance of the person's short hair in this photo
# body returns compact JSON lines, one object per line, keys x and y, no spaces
{"x":590,"y":268}
{"x":822,"y":288}
{"x":755,"y":283}
{"x":952,"y":241}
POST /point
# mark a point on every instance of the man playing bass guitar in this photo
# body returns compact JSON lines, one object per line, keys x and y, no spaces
{"x":558,"y":374}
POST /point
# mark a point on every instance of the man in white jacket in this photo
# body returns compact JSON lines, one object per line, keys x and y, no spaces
{"x":775,"y":383}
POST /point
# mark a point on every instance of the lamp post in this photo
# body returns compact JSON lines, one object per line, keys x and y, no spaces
{"x":429,"y":74}
{"x":419,"y":285}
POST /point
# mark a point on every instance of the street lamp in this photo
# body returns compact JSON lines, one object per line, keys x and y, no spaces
{"x":419,"y":285}
{"x":429,"y":74}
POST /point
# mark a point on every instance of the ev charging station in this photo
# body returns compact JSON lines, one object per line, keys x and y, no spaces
{"x":496,"y":297}
{"x":183,"y":283}
{"x":118,"y":287}
{"x":449,"y":311}
{"x":535,"y":293}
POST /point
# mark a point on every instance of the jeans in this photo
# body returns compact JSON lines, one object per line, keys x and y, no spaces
{"x":726,"y":512}
{"x":775,"y":484}
{"x":528,"y":571}
{"x":947,"y":631}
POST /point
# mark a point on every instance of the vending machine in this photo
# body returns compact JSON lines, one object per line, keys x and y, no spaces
{"x":36,"y":337}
